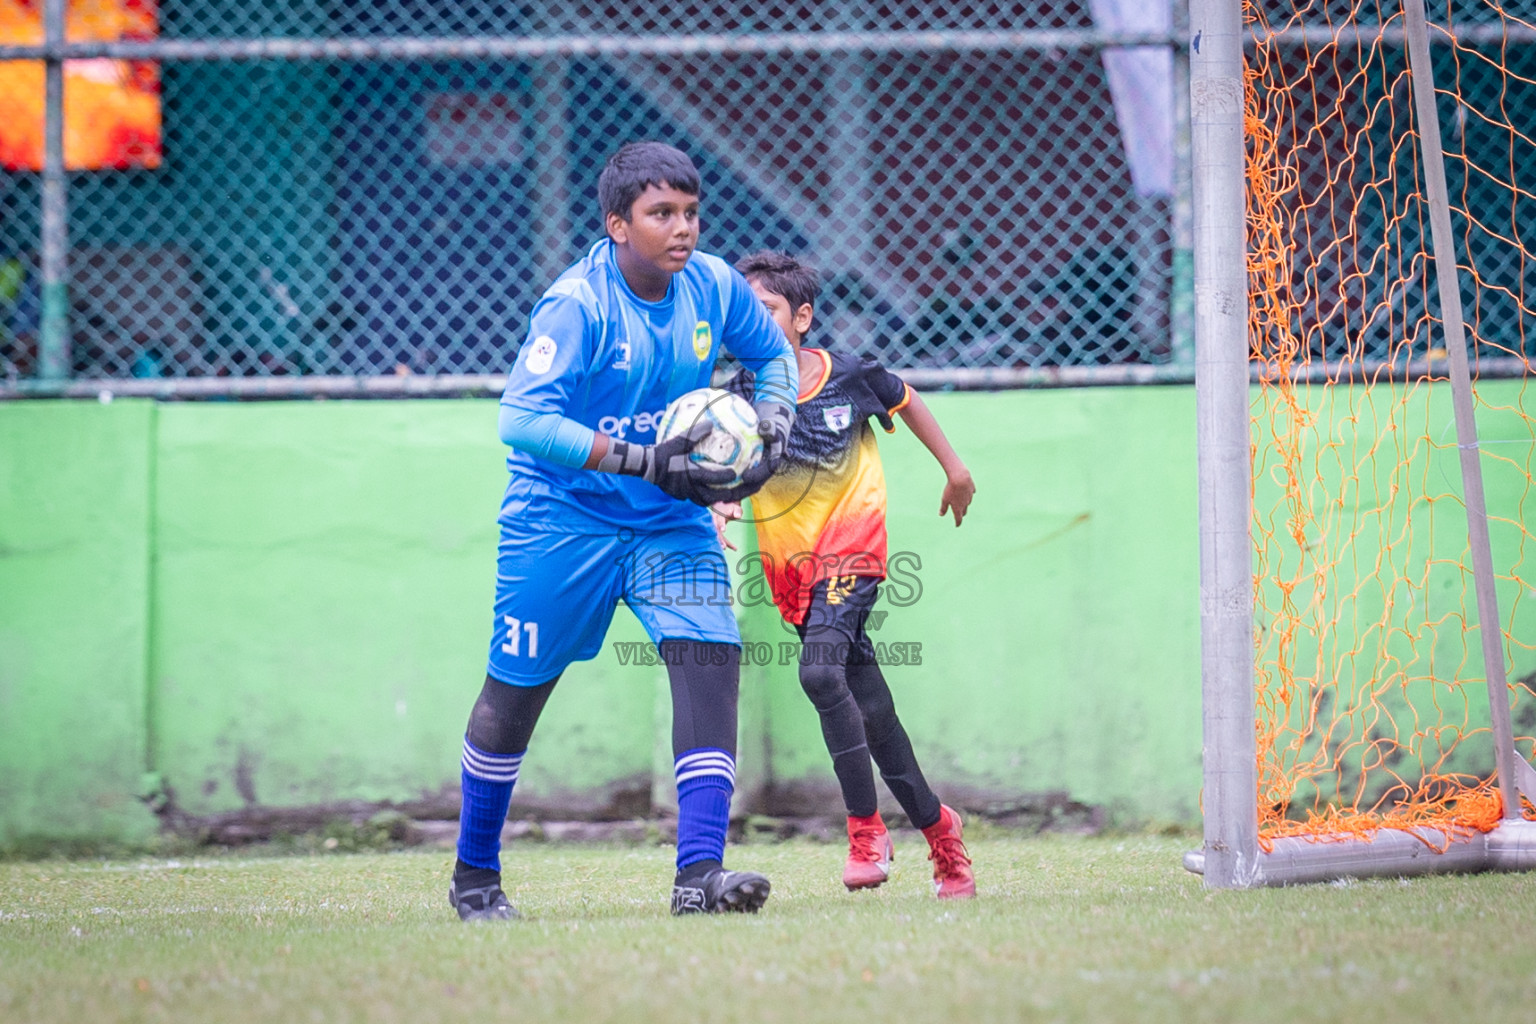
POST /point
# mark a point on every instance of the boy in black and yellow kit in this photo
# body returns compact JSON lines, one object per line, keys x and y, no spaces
{"x":821,"y":534}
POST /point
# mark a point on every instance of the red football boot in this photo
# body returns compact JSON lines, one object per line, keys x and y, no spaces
{"x":869,"y":853}
{"x":952,"y":876}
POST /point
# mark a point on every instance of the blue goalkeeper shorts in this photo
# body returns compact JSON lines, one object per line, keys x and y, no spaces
{"x":555,"y":595}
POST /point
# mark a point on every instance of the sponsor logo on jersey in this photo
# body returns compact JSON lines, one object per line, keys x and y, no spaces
{"x":702,"y":340}
{"x":619,"y":426}
{"x":838,"y":417}
{"x":541,"y":354}
{"x":621,"y":358}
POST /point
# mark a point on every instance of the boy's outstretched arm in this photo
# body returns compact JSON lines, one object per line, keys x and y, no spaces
{"x":958,"y":486}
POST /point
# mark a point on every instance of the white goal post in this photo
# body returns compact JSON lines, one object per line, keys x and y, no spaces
{"x":1231,"y":856}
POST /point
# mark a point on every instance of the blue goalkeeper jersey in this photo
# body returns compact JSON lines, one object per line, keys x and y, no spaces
{"x":608,"y":361}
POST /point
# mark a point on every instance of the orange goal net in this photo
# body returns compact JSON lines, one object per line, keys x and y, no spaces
{"x":1372,"y":694}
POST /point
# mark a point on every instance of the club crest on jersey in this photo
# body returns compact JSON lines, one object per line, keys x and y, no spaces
{"x":541,"y":354}
{"x":702,"y":340}
{"x":838,"y":417}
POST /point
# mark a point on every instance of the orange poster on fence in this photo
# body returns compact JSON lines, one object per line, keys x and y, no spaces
{"x":111,"y":107}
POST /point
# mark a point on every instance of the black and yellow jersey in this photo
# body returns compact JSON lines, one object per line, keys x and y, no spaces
{"x":823,"y":513}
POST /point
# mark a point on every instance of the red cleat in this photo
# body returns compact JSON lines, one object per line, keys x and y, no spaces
{"x":869,"y":853}
{"x":952,"y":876}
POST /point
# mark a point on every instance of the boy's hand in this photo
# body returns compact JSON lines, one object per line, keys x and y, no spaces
{"x":725,"y":512}
{"x":958,"y":491}
{"x":668,"y":466}
{"x":673,"y":471}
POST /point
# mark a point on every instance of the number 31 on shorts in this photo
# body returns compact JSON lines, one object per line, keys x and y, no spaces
{"x":515,"y":629}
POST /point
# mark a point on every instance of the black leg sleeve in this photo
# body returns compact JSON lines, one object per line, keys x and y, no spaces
{"x":824,"y":681}
{"x":704,"y":678}
{"x":503,"y":717}
{"x":888,"y":743}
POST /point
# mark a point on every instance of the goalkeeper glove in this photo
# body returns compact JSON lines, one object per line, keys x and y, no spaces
{"x":774,"y":422}
{"x":668,"y":466}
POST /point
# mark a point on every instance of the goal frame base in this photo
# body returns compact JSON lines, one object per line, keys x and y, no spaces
{"x":1389,"y":853}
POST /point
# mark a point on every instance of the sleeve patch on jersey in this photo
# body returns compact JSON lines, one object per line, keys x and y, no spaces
{"x":541,"y":354}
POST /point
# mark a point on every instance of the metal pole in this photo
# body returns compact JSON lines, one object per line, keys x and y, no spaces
{"x":599,"y":45}
{"x":1446,"y":276}
{"x":591,"y":45}
{"x":1181,"y":313}
{"x":53,"y":340}
{"x":845,"y":240}
{"x":551,"y":171}
{"x":1221,"y":408}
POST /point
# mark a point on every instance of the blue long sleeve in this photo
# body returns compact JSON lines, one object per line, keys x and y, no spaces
{"x":777,"y":379}
{"x":759,"y":344}
{"x":547,"y":435}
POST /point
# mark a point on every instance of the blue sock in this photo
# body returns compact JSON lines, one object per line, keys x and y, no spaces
{"x":706,"y":777}
{"x":487,"y":780}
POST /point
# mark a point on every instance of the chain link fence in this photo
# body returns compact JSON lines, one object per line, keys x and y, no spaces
{"x":383,"y":189}
{"x":1332,"y":87}
{"x":369,"y":197}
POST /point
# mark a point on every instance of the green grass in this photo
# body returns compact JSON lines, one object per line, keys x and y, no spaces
{"x":1103,"y":929}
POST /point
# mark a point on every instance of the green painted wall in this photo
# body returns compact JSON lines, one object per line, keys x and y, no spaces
{"x":287,"y":604}
{"x":324,"y":574}
{"x":1059,"y":625}
{"x":75,"y":484}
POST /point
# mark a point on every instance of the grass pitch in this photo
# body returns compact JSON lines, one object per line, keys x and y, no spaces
{"x":1102,"y":929}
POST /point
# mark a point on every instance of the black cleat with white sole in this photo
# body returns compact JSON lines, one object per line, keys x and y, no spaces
{"x":719,"y":891}
{"x":481,"y":903}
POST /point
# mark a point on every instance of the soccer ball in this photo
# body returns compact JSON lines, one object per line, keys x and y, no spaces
{"x":733,"y":444}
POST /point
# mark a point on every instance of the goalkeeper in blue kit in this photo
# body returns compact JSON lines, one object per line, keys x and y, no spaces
{"x":597,"y":511}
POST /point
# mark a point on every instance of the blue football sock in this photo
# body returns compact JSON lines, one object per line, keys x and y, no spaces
{"x":706,"y":777}
{"x":487,"y":780}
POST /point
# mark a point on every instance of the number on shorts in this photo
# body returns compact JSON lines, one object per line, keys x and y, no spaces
{"x":515,"y":630}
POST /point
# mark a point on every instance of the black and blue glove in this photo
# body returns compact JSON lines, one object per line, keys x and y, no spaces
{"x":668,"y":466}
{"x":774,"y":422}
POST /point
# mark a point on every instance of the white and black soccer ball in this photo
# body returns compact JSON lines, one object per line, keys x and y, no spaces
{"x":733,"y":443}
